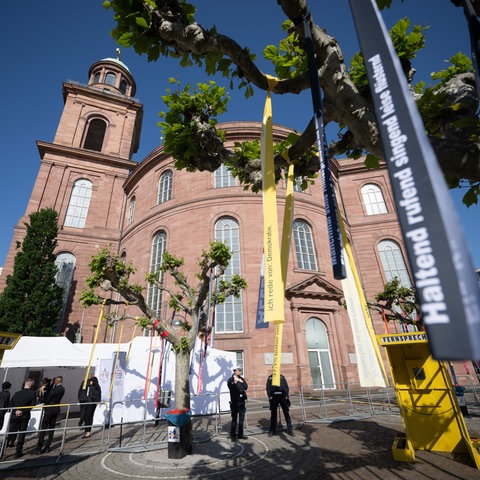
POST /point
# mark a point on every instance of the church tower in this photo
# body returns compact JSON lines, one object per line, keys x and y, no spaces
{"x":81,"y":176}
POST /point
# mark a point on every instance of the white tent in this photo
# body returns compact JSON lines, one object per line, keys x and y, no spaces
{"x":40,"y":352}
{"x":136,"y":386}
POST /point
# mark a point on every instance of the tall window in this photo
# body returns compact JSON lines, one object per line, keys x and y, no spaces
{"x":165,"y":187}
{"x":302,"y":235}
{"x":65,"y":263}
{"x":229,"y":315}
{"x":110,"y":78}
{"x":95,"y":134}
{"x":154,"y":295}
{"x":79,"y":202}
{"x":223,"y":177}
{"x":123,"y":86}
{"x":319,"y":354}
{"x":131,"y":211}
{"x":393,"y":263}
{"x":373,"y":199}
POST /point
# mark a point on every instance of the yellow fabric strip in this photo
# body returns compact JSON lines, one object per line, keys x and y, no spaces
{"x":274,"y":288}
{"x":287,"y":222}
{"x":274,"y":261}
{"x":94,"y":345}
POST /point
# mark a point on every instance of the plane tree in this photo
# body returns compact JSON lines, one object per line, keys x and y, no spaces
{"x":111,"y":275}
{"x":448,"y":101}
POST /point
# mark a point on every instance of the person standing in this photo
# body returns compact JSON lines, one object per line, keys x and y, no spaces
{"x":238,"y":397}
{"x":43,"y":390}
{"x":279,"y":395}
{"x":21,"y":416}
{"x":52,"y":397}
{"x":4,"y":401}
{"x":89,"y":396}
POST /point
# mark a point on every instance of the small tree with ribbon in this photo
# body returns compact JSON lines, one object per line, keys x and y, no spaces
{"x":110,"y":273}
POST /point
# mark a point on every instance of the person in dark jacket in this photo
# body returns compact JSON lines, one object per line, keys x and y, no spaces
{"x":44,"y":388}
{"x":279,"y":395}
{"x":89,"y":396}
{"x":238,"y":397}
{"x":4,"y":401}
{"x":52,"y":397}
{"x":20,"y":417}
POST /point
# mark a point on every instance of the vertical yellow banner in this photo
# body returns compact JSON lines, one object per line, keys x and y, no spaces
{"x":274,"y":287}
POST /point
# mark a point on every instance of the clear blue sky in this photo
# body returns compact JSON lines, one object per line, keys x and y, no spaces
{"x":43,"y":44}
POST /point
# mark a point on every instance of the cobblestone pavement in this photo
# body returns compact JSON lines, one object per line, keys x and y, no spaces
{"x":342,"y":450}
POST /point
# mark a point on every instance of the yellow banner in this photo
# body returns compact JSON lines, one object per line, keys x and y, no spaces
{"x":274,"y":287}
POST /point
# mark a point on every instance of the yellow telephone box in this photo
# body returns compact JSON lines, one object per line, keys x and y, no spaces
{"x":430,"y":412}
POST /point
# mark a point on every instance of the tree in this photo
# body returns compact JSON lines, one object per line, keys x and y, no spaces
{"x":399,"y":304}
{"x":168,"y":28}
{"x":110,"y":273}
{"x":31,"y":301}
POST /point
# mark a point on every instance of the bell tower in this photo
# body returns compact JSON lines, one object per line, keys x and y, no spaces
{"x":82,"y":173}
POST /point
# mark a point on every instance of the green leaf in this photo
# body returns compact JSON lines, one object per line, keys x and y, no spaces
{"x":141,"y":22}
{"x":371,"y":161}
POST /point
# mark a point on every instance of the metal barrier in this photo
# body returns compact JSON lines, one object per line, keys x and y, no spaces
{"x":309,"y":404}
{"x":343,"y":400}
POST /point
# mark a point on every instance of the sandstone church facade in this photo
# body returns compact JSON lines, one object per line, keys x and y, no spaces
{"x":104,"y":198}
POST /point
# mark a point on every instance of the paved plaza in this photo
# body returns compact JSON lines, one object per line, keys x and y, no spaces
{"x":350,"y":449}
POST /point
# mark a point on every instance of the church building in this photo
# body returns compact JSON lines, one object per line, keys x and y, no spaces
{"x":141,"y":210}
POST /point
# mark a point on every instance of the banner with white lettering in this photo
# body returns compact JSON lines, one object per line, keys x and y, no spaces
{"x":334,"y":235}
{"x":474,"y":29}
{"x":443,"y":272}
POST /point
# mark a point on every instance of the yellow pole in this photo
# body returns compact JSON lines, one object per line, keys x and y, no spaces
{"x":94,"y":344}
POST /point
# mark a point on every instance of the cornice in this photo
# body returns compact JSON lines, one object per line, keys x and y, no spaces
{"x":85,"y":155}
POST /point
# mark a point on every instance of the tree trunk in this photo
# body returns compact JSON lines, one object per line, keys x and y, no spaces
{"x":182,"y":379}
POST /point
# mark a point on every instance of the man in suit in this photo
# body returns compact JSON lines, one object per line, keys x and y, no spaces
{"x":53,"y":397}
{"x":278,"y":395}
{"x":21,"y":416}
{"x":238,"y":396}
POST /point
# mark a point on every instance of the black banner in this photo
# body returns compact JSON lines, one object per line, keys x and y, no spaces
{"x":334,"y":234}
{"x":474,"y":29}
{"x":443,"y":272}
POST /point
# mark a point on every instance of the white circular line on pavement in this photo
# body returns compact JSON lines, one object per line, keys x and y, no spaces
{"x":169,"y":467}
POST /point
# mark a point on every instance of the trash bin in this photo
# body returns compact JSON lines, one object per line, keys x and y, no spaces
{"x":460,"y":394}
{"x":179,"y":432}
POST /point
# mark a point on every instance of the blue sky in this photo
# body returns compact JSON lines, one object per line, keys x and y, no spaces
{"x":43,"y":44}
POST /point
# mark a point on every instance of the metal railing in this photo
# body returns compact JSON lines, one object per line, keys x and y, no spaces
{"x":308,"y":404}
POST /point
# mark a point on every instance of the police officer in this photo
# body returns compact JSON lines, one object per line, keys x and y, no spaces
{"x":278,"y":395}
{"x":238,"y":397}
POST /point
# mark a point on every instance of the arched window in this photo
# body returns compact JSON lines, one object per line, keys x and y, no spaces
{"x":79,"y":202}
{"x":96,"y":77}
{"x":95,"y":134}
{"x":65,"y":263}
{"x":393,"y":263}
{"x":110,"y":78}
{"x":319,"y":354}
{"x":123,"y":86}
{"x":229,"y":315}
{"x":223,"y":177}
{"x":373,"y":199}
{"x":154,"y":295}
{"x":304,"y":249}
{"x":131,"y":211}
{"x":165,"y":187}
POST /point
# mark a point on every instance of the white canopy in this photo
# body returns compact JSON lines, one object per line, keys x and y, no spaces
{"x":33,"y":352}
